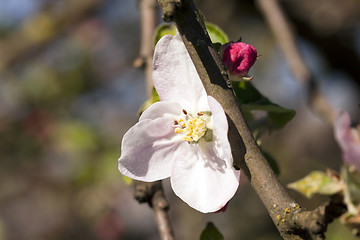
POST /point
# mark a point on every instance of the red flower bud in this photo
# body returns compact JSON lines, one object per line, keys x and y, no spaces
{"x":238,"y":58}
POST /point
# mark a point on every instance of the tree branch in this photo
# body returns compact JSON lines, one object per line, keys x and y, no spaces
{"x":247,"y":155}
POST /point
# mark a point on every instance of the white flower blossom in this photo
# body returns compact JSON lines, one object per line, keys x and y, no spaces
{"x":184,"y":136}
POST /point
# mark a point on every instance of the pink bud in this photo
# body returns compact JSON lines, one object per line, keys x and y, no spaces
{"x":238,"y":58}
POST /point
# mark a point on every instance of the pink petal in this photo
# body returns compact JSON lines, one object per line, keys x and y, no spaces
{"x":175,"y":77}
{"x":201,"y":179}
{"x":148,"y":150}
{"x":349,"y":144}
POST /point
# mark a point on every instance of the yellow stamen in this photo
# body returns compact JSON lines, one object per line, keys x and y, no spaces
{"x":187,"y":139}
{"x":178,"y":130}
{"x":192,"y":127}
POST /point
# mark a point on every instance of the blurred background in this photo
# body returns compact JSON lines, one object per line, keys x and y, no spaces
{"x":69,"y":91}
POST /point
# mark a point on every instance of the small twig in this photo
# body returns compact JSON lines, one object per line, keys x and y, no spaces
{"x":148,"y":13}
{"x":153,"y":194}
{"x":284,"y":35}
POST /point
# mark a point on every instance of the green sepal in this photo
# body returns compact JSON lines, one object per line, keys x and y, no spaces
{"x":208,"y":136}
{"x":211,"y":233}
{"x":318,"y":182}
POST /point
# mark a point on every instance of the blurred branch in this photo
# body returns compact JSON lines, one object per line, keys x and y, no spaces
{"x":43,"y":27}
{"x":282,"y":31}
{"x":148,"y":12}
{"x":153,"y":193}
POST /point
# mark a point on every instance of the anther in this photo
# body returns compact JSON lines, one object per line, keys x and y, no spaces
{"x":184,"y":111}
{"x":178,"y":130}
{"x":200,"y":114}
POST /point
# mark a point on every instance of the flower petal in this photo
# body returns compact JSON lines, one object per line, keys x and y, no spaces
{"x":203,"y":180}
{"x":349,"y":144}
{"x":175,"y":77}
{"x":171,"y":110}
{"x":149,"y":149}
{"x":220,"y":131}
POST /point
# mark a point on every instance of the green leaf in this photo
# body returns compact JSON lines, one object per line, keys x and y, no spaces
{"x":162,"y":30}
{"x":246,"y":93}
{"x":280,"y":119}
{"x":318,"y":182}
{"x":211,"y":233}
{"x":277,"y":116}
{"x":251,"y":99}
{"x":217,"y":35}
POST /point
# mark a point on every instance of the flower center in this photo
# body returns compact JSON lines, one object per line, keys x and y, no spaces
{"x":192,"y":128}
